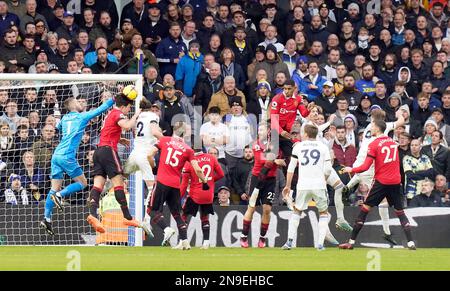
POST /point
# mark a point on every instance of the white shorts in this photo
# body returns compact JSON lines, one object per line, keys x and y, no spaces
{"x":305,"y":196}
{"x":333,"y":178}
{"x":138,"y":161}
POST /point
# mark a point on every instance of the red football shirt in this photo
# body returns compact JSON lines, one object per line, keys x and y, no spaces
{"x":212,"y":171}
{"x":111,"y":131}
{"x":174,"y":154}
{"x":384,"y":151}
{"x":260,"y":160}
{"x":283,"y":111}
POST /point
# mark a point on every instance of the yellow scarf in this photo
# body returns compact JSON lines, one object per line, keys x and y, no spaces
{"x":240,"y":45}
{"x":194,"y":57}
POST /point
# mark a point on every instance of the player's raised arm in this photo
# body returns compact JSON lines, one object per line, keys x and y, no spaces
{"x":400,"y":119}
{"x":99,"y":110}
{"x":128,"y":124}
{"x":156,"y":130}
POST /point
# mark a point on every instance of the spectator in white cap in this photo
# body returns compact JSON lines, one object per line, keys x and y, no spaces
{"x":327,"y":100}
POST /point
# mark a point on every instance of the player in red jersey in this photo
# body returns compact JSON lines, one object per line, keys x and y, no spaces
{"x":174,"y":155}
{"x":197,"y":197}
{"x":384,"y":152}
{"x":107,"y":163}
{"x":262,"y":185}
{"x":283,"y":112}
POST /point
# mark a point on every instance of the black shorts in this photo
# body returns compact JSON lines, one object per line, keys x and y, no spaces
{"x":191,"y":208}
{"x":106,"y":162}
{"x":266,"y":193}
{"x":163,"y":193}
{"x":379,"y":191}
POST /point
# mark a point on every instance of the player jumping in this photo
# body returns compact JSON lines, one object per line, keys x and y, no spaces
{"x":197,"y":197}
{"x":71,"y":127}
{"x":262,"y":185}
{"x":107,"y":163}
{"x":174,"y":154}
{"x":384,"y":151}
{"x":314,"y":161}
{"x":367,"y":177}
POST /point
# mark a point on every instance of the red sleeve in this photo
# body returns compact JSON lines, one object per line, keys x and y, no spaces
{"x":365,"y":166}
{"x":303,"y":111}
{"x":274,"y":115}
{"x":218,"y":172}
{"x":119,"y":116}
{"x":190,"y":154}
{"x":185,"y":178}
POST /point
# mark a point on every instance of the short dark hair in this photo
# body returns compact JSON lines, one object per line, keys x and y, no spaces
{"x":22,"y":126}
{"x":311,"y":130}
{"x":340,"y":127}
{"x":145,"y":104}
{"x":381,"y":124}
{"x":121,"y":100}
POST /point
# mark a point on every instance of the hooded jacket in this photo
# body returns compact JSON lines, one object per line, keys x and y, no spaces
{"x":187,"y":71}
{"x":411,"y":88}
{"x":390,"y":111}
{"x":312,"y":93}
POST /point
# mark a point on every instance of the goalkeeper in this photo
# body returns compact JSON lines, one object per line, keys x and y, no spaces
{"x":72,"y":127}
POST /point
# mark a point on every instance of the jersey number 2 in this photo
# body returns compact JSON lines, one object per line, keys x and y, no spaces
{"x":140,"y":127}
{"x":172,"y":157}
{"x":207,"y":173}
{"x":387,"y":149}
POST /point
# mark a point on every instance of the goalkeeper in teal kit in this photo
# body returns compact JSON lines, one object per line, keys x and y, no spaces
{"x":64,"y":160}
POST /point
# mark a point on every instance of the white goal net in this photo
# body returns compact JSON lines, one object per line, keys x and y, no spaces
{"x":32,"y":106}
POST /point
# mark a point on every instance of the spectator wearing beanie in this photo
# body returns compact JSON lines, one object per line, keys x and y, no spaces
{"x":362,"y":114}
{"x":394,"y":102}
{"x":301,"y":70}
{"x":260,"y":106}
{"x":412,"y":126}
{"x":153,"y":27}
{"x":272,"y":65}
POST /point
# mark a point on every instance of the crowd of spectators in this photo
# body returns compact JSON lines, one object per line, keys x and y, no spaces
{"x":227,"y":61}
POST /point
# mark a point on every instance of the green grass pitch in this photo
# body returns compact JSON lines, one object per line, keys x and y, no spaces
{"x":159,"y":258}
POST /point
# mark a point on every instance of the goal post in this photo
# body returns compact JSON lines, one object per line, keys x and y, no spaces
{"x":22,"y":207}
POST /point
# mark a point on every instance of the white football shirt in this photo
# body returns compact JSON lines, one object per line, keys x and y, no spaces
{"x":312,"y":158}
{"x":144,"y":139}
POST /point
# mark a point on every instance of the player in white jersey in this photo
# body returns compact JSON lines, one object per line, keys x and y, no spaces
{"x":147,"y":132}
{"x":367,"y":177}
{"x":333,"y":179}
{"x":314,"y":161}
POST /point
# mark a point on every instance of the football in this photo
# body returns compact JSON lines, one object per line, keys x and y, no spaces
{"x":130,"y":92}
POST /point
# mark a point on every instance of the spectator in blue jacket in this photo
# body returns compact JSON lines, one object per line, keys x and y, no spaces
{"x":312,"y":84}
{"x":91,"y":58}
{"x":7,"y":19}
{"x":189,"y":68}
{"x":398,"y":34}
{"x":170,"y":50}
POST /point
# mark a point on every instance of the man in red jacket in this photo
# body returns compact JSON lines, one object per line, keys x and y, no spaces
{"x":344,"y":152}
{"x":283,"y":113}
